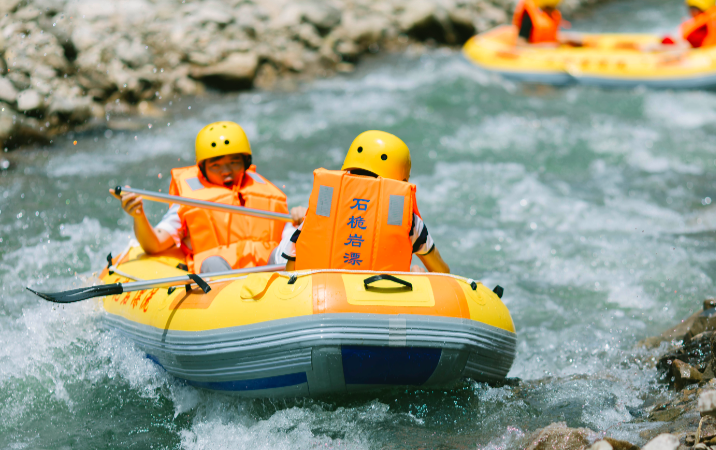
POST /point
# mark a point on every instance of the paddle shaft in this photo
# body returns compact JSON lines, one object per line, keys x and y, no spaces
{"x":167,"y":198}
{"x":185,"y":279}
{"x":103,"y":290}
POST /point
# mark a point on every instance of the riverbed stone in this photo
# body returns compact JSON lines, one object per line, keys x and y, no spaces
{"x":601,"y":445}
{"x":684,"y":374}
{"x":8,"y":93}
{"x":29,"y":100}
{"x":557,"y":436}
{"x":664,"y":441}
{"x":235,"y":72}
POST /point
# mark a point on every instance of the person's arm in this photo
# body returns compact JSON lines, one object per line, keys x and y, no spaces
{"x":434,"y":261}
{"x":152,"y":241}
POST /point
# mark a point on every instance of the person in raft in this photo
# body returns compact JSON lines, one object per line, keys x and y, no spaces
{"x":364,"y":216}
{"x":700,"y":30}
{"x":538,"y":21}
{"x":216,"y":241}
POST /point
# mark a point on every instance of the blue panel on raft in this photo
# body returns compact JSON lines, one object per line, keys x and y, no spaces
{"x":279,"y":381}
{"x":389,"y":365}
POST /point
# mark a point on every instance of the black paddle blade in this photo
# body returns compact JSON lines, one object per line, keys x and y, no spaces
{"x":76,"y":295}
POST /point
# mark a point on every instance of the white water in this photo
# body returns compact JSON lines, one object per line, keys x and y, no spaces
{"x":590,"y":206}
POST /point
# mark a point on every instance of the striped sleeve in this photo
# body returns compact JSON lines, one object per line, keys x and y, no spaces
{"x":420,"y":237}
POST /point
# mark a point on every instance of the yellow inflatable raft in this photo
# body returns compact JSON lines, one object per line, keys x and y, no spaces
{"x":603,"y":59}
{"x":314,"y":332}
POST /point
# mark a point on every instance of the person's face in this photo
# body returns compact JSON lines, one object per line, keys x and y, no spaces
{"x":227,"y":171}
{"x":694,"y":11}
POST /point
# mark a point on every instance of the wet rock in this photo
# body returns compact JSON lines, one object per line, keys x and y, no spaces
{"x":620,"y":445}
{"x":559,"y":436}
{"x":7,"y":6}
{"x":707,"y":403}
{"x":601,"y":445}
{"x":664,"y":441}
{"x":235,"y":72}
{"x":684,"y":374}
{"x":8,"y":93}
{"x":29,"y":100}
{"x":7,"y":124}
{"x":666,"y":415}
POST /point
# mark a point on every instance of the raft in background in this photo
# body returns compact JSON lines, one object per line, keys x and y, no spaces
{"x":612,"y":60}
{"x":315,"y":333}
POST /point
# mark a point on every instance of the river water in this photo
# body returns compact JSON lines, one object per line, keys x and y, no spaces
{"x":590,"y":206}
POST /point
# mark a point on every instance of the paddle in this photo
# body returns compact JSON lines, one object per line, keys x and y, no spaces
{"x":76,"y":295}
{"x":167,"y":198}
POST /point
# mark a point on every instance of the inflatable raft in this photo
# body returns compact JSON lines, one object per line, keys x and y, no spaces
{"x":604,"y":59}
{"x":295,"y":334}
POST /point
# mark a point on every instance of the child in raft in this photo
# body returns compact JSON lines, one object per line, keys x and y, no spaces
{"x":216,"y":241}
{"x":364,"y":216}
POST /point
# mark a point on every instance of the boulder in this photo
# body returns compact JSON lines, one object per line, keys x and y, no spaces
{"x":8,"y":93}
{"x":601,"y":445}
{"x":7,"y":124}
{"x":84,"y":36}
{"x":8,"y":6}
{"x":134,"y":54}
{"x":620,"y":445}
{"x":321,"y":15}
{"x":664,"y":441}
{"x":557,"y":436}
{"x":235,"y":72}
{"x":29,"y":100}
{"x":684,"y":374}
{"x":706,"y":404}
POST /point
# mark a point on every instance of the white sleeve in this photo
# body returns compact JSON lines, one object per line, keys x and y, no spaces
{"x":420,"y":237}
{"x":171,"y":223}
{"x":278,"y":256}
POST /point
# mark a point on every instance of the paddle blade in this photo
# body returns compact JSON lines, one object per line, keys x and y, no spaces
{"x":76,"y":295}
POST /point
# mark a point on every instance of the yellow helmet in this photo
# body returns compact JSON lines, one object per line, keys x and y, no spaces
{"x":703,"y":5}
{"x":548,"y":3}
{"x":220,"y":139}
{"x":379,"y":152}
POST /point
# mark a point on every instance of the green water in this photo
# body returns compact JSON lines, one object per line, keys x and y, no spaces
{"x":590,"y":206}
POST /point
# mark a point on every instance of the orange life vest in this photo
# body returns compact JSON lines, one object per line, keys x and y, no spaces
{"x":243,"y":241}
{"x":544,"y":26}
{"x":706,"y":19}
{"x":357,"y":222}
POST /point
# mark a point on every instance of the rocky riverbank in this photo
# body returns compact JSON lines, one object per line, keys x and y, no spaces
{"x":74,"y":64}
{"x":683,"y":420}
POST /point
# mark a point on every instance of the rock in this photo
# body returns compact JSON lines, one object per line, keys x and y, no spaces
{"x":29,"y":100}
{"x":559,"y":436}
{"x":7,"y":124}
{"x":664,"y":441}
{"x":701,"y":446}
{"x":84,"y":36}
{"x":321,"y":15}
{"x":684,"y":374}
{"x":8,"y":93}
{"x":601,"y":445}
{"x":621,"y":445}
{"x":666,"y":415}
{"x":135,"y":54}
{"x":706,"y":404}
{"x":235,"y":72}
{"x":7,"y":6}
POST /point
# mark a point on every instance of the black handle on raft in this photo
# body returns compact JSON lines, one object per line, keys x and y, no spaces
{"x":118,"y":190}
{"x":374,"y":278}
{"x":199,"y":282}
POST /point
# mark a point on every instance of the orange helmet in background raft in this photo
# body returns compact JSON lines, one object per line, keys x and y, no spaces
{"x":221,"y":139}
{"x":381,"y":153}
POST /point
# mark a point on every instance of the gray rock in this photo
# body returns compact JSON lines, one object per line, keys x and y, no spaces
{"x":236,"y":71}
{"x":7,"y":124}
{"x":7,"y":6}
{"x":664,"y":441}
{"x":135,"y":54}
{"x":29,"y":100}
{"x":321,"y":15}
{"x":707,"y":403}
{"x":8,"y":93}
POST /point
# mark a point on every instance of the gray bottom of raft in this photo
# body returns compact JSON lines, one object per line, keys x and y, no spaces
{"x":328,"y":353}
